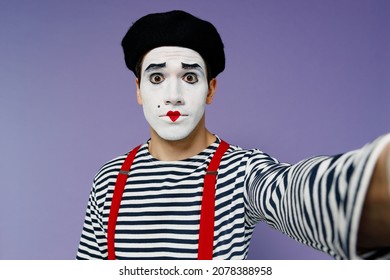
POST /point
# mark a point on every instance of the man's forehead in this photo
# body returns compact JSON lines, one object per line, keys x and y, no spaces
{"x":176,"y":54}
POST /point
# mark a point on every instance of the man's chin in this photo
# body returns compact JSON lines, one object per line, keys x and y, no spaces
{"x":173,"y":136}
{"x":176,"y":133}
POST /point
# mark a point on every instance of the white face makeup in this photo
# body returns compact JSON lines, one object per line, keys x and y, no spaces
{"x":173,"y":91}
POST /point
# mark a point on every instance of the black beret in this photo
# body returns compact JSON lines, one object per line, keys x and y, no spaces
{"x":174,"y":28}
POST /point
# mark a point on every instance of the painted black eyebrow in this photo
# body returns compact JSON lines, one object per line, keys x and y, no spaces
{"x":155,"y":66}
{"x":190,"y":66}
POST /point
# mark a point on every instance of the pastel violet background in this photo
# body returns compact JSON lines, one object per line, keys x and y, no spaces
{"x":302,"y":78}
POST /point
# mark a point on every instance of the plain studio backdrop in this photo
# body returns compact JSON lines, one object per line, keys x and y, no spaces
{"x":302,"y":78}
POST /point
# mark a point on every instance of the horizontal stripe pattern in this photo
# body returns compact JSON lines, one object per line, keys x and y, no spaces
{"x":316,"y":201}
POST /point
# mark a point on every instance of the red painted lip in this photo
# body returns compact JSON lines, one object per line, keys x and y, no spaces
{"x":173,"y":115}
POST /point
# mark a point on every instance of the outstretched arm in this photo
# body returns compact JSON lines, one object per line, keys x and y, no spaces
{"x":338,"y":204}
{"x":374,"y":229}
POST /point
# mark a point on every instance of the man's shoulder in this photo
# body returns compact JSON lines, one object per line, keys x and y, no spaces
{"x":252,"y":154}
{"x":236,"y":149}
{"x":110,"y":168}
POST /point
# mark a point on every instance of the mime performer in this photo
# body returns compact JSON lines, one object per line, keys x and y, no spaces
{"x":187,"y":193}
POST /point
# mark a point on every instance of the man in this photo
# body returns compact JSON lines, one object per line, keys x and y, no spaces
{"x":168,"y":198}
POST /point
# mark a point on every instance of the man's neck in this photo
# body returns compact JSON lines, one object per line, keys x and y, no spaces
{"x":190,"y":146}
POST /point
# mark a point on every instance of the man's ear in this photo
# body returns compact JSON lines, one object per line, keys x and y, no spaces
{"x":139,"y":97}
{"x":212,"y":90}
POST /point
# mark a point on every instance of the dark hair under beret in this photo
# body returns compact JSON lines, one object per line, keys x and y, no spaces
{"x":174,"y":28}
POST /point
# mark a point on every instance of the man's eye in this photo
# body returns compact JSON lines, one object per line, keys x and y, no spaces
{"x":156,"y":78}
{"x":190,"y":78}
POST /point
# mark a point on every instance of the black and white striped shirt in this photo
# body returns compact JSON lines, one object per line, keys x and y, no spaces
{"x":317,"y":201}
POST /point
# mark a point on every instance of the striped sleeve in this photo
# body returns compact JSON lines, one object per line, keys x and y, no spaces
{"x":93,"y":241}
{"x":93,"y":236}
{"x":317,"y":201}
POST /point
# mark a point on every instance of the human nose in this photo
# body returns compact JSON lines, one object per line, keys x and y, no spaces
{"x":174,"y":95}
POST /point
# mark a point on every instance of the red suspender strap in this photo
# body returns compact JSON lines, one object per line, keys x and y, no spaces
{"x":207,"y":212}
{"x":116,"y":201}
